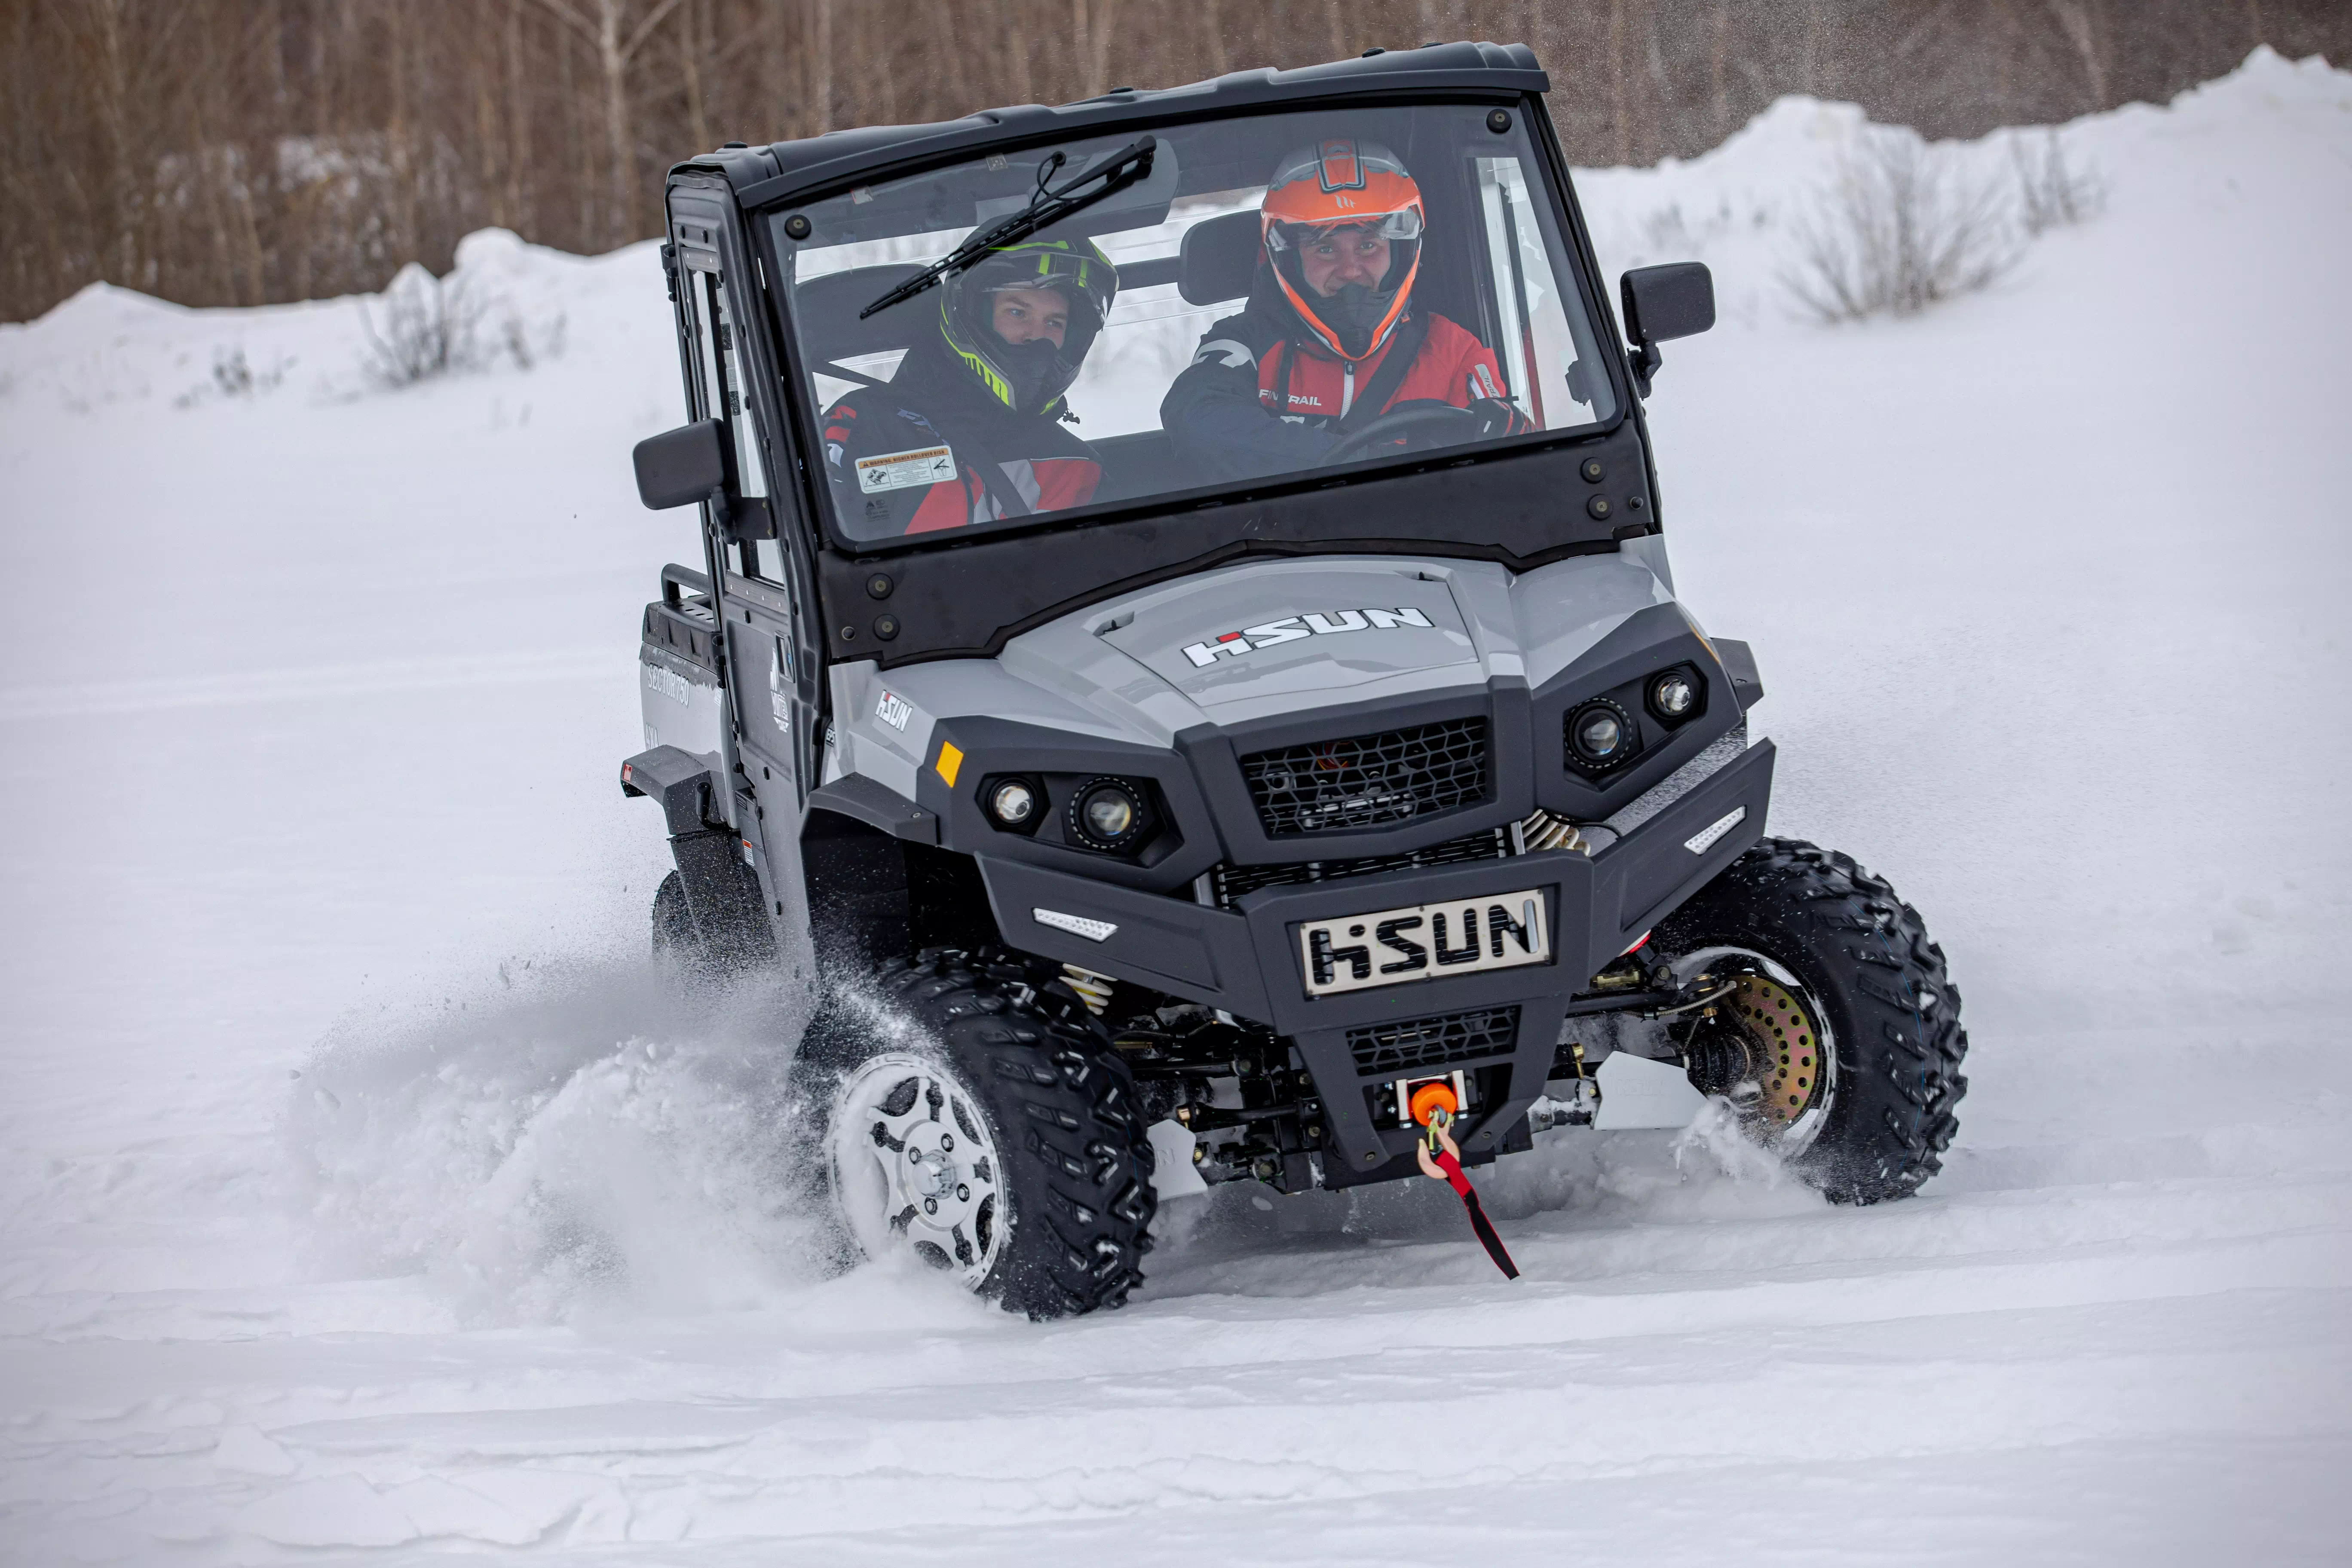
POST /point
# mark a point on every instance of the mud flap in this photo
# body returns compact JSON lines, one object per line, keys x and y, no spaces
{"x":723,"y":895}
{"x":722,"y":888}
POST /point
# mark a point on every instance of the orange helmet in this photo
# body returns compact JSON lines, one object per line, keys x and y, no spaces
{"x":1340,"y":184}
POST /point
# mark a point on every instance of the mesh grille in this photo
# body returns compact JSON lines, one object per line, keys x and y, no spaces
{"x":1418,"y":1044}
{"x":1232,"y":881}
{"x":1369,"y":779}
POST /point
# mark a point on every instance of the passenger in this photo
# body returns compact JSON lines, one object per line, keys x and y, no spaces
{"x":969,"y":430}
{"x":1329,"y":340}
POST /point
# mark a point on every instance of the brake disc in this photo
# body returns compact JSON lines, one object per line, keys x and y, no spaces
{"x":1785,"y":1050}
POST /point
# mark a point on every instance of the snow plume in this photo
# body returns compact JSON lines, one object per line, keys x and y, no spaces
{"x":1712,"y":1169}
{"x":584,"y":1139}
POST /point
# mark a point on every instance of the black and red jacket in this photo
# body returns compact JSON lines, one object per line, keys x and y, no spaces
{"x":1263,"y":397}
{"x":880,"y":446}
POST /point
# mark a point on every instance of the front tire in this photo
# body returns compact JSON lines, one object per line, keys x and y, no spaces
{"x":1839,"y":1037}
{"x":973,"y":1111}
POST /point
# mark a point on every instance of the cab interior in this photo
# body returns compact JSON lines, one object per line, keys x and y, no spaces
{"x":1213,"y":265}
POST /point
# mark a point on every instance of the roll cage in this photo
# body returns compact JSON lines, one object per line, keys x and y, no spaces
{"x":1522,"y":506}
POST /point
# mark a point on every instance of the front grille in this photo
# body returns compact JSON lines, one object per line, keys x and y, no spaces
{"x":1229,"y":882}
{"x":1369,"y":779}
{"x":1423,"y":1045}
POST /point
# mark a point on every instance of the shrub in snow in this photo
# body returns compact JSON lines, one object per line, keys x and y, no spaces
{"x":1904,"y":226}
{"x":2050,"y":193}
{"x":235,"y":375}
{"x":432,"y":326}
{"x":527,"y":342}
{"x":428,"y":328}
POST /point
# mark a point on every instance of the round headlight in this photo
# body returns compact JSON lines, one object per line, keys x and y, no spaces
{"x":1012,"y":803}
{"x":1109,"y":813}
{"x":1673,"y":695}
{"x":1599,"y":733}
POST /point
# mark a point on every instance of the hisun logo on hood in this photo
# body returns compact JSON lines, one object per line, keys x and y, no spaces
{"x":1291,"y":628}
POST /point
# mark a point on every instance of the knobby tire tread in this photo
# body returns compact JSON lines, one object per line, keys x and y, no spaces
{"x":1066,"y":1109}
{"x":1894,"y":1013}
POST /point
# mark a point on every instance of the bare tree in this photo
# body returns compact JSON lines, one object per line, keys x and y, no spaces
{"x":2076,"y":18}
{"x":616,"y":44}
{"x":217,"y":152}
{"x":1092,"y":23}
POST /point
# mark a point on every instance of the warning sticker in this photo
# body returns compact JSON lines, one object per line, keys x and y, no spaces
{"x":897,"y":470}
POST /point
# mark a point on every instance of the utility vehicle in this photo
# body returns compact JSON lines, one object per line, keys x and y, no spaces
{"x":1203,"y":821}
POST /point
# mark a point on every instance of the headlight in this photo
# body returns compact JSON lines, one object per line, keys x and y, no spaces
{"x":1012,"y":803}
{"x":1600,"y":736}
{"x":1109,"y":814}
{"x":1673,"y":695}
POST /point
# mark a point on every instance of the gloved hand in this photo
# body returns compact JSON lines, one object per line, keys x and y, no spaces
{"x":1497,"y":420}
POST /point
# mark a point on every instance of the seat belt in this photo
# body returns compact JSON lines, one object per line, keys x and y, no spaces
{"x":992,"y":476}
{"x":1395,"y":365}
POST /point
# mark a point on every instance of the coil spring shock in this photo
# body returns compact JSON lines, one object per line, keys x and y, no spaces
{"x":1542,"y":830}
{"x":1093,"y":989}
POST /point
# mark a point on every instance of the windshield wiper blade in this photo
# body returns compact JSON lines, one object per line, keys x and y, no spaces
{"x":1121,"y":170}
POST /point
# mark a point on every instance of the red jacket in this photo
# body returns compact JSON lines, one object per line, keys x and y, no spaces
{"x":1253,"y":365}
{"x":1452,"y":367}
{"x":904,"y":457}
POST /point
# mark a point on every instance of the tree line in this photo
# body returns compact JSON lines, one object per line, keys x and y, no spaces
{"x":243,"y":151}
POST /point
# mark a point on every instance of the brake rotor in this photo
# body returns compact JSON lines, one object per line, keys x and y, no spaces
{"x":1785,"y":1049}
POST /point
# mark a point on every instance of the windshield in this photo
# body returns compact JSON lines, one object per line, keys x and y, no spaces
{"x":1281,"y":293}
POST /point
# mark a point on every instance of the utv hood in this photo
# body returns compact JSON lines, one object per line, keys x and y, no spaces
{"x":1282,"y":634}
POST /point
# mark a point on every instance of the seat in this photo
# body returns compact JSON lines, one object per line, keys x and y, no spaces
{"x":825,"y":310}
{"x":1219,"y":258}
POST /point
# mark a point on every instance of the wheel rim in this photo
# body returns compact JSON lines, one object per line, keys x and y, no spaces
{"x":916,"y":1167}
{"x":1791,"y":1053}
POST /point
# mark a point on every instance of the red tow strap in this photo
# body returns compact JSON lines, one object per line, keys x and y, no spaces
{"x":1478,"y":1221}
{"x":1440,"y":1158}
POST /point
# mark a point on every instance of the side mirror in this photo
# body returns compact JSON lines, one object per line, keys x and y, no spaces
{"x":681,"y":466}
{"x":1676,"y":301}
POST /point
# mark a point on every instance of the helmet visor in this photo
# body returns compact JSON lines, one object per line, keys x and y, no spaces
{"x":1084,"y":277}
{"x":1402,"y":224}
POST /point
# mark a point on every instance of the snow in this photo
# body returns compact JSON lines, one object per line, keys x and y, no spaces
{"x":364,"y":1195}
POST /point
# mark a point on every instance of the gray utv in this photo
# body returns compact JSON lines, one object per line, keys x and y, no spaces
{"x":1223,"y":806}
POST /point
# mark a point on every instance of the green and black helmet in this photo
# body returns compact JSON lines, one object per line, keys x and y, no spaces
{"x":1030,"y":377}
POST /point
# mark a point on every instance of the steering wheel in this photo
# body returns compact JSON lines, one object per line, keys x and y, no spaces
{"x":1420,"y":415}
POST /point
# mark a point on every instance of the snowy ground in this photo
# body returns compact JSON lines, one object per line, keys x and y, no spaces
{"x":362,"y":1194}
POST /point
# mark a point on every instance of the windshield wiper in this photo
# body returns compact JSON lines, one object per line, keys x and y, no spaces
{"x":1121,"y":170}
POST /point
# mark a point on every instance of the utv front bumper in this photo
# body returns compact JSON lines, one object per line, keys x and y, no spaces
{"x":1247,"y":960}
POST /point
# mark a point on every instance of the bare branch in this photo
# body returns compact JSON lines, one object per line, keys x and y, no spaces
{"x":645,"y":29}
{"x":569,"y":18}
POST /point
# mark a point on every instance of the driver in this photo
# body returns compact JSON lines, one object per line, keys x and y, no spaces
{"x":1328,"y":342}
{"x":969,"y":430}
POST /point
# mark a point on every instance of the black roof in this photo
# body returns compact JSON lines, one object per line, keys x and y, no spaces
{"x":764,"y":175}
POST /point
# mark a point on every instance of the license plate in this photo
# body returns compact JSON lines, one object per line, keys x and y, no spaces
{"x":1389,"y":947}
